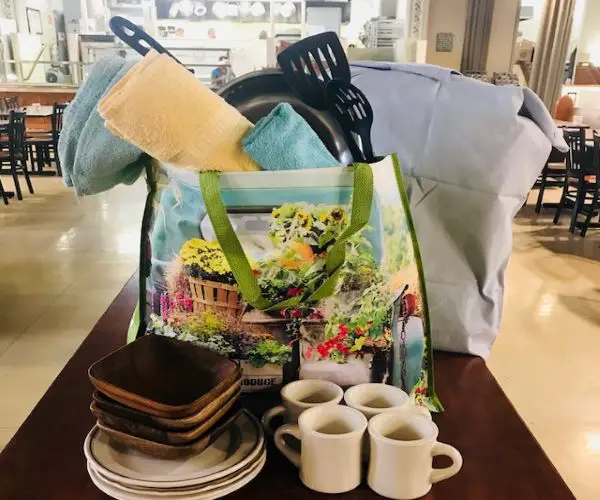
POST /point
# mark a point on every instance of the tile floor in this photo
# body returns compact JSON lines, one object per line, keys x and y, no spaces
{"x":546,"y":357}
{"x":63,"y":260}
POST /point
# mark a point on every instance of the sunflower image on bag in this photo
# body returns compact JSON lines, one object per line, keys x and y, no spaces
{"x":291,"y":313}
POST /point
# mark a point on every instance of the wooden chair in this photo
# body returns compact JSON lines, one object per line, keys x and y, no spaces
{"x":47,"y":142}
{"x":581,"y":181}
{"x":553,"y":175}
{"x":15,"y":155}
{"x":591,"y":209}
{"x":3,"y":193}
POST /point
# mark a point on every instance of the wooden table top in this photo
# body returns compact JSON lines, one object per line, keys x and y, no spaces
{"x":38,"y":111}
{"x":589,"y":135}
{"x":502,"y":460}
{"x":33,"y":111}
{"x":562,"y":123}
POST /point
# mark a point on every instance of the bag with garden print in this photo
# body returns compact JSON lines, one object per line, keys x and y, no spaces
{"x":294,"y":274}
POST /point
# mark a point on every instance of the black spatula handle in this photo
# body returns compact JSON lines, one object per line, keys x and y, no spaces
{"x":137,"y":38}
{"x":353,"y":111}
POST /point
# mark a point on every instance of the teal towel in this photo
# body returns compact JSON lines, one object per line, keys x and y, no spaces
{"x":92,"y":158}
{"x":283,"y":140}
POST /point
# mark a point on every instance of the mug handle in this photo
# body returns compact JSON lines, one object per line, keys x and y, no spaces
{"x":438,"y":475}
{"x":293,"y":430}
{"x":269,"y":415}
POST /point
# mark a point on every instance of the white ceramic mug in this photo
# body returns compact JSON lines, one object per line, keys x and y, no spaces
{"x":331,"y":436}
{"x":373,"y":399}
{"x":402,"y":449}
{"x":301,"y":395}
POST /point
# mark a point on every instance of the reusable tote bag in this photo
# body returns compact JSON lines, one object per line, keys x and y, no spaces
{"x":295,"y":274}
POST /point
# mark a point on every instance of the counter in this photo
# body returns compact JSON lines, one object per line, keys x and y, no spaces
{"x":44,"y":94}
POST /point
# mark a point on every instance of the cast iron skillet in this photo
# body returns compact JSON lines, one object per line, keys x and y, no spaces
{"x":256,"y":94}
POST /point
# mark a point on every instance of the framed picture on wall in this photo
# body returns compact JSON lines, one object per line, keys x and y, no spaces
{"x":34,"y":21}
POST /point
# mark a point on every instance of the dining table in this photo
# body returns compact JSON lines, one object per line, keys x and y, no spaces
{"x":502,"y":459}
{"x":589,"y":130}
{"x":570,"y":124}
{"x":41,"y":114}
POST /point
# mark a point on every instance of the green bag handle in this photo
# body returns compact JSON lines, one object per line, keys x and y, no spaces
{"x":362,"y":200}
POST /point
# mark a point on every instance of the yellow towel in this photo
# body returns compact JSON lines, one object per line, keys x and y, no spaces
{"x":160,"y":107}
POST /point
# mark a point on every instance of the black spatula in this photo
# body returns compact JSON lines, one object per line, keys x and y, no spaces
{"x":137,"y":38}
{"x":312,"y":62}
{"x":352,"y":110}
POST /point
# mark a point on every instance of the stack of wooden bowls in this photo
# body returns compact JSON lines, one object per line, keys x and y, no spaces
{"x":164,"y":397}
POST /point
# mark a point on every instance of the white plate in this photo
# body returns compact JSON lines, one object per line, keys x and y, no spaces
{"x":109,"y":489}
{"x":178,"y":493}
{"x":232,"y":451}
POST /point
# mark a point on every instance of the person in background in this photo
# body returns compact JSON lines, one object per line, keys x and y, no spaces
{"x":222,"y":73}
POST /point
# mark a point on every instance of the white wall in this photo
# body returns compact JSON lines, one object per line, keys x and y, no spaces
{"x":502,"y":36}
{"x":360,"y":12}
{"x":446,"y":16}
{"x":319,"y":19}
{"x":21,"y":16}
{"x":589,"y":39}
{"x":45,"y":8}
{"x":531,"y":28}
{"x":578,"y":17}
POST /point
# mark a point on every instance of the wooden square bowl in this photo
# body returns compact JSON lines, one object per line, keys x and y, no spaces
{"x":164,"y":377}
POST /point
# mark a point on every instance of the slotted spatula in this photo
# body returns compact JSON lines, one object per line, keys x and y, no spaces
{"x":310,"y":63}
{"x":137,"y":38}
{"x":353,"y":111}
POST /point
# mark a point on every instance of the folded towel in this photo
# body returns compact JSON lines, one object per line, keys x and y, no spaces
{"x":92,"y":158}
{"x":283,"y":140}
{"x":160,"y":107}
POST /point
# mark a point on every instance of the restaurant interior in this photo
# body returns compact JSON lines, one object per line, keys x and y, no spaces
{"x":130,"y":371}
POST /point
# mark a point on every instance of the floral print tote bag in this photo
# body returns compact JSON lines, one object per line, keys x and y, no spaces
{"x":294,"y":274}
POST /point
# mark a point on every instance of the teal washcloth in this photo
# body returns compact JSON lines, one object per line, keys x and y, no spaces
{"x":283,"y":140}
{"x":92,"y":158}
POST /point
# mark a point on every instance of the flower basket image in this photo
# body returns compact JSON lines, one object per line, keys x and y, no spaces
{"x":210,"y":295}
{"x":210,"y":279}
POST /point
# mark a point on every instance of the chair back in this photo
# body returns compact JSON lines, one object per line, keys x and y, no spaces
{"x":597,"y":156}
{"x":11,"y":102}
{"x":477,"y":75}
{"x":576,"y":157}
{"x":16,"y":133}
{"x":58,"y":110}
{"x":506,"y":79}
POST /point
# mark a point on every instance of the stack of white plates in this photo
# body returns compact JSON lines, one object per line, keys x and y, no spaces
{"x":233,"y":460}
